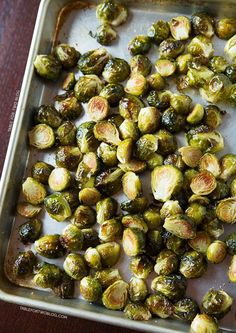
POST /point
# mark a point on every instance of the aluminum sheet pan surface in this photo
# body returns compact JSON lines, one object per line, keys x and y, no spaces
{"x":73,"y":28}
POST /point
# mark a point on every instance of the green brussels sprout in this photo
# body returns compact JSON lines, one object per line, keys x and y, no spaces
{"x":171,"y":48}
{"x":68,"y":107}
{"x":107,"y":132}
{"x":106,"y":209}
{"x":146,"y":146}
{"x":166,"y":142}
{"x":59,"y":179}
{"x":124,"y":150}
{"x":230,"y":48}
{"x":66,"y":133}
{"x":198,"y":75}
{"x":109,"y":181}
{"x":69,"y":82}
{"x":196,"y":212}
{"x":180,"y":27}
{"x":218,"y":64}
{"x":230,"y":241}
{"x":71,"y":197}
{"x":48,"y":115}
{"x":154,"y":161}
{"x":185,"y":309}
{"x":152,"y":218}
{"x":116,"y":119}
{"x":116,"y":70}
{"x":148,"y":120}
{"x":201,"y":46}
{"x":72,"y":238}
{"x":205,"y":139}
{"x":134,"y":221}
{"x":109,"y":252}
{"x":50,"y":246}
{"x":98,"y":108}
{"x":133,"y":165}
{"x":89,"y":196}
{"x":221,"y":191}
{"x":159,"y":306}
{"x":232,"y":188}
{"x":105,"y":34}
{"x":113,"y":92}
{"x":213,"y":227}
{"x":140,"y":44}
{"x":203,"y":323}
{"x":41,"y":171}
{"x":140,"y":64}
{"x":216,"y":303}
{"x":181,"y":103}
{"x":107,"y":154}
{"x":111,"y":12}
{"x":172,"y":120}
{"x":23,"y":264}
{"x":141,"y":266}
{"x":75,"y":266}
{"x":196,"y":115}
{"x":87,"y":87}
{"x":129,"y":108}
{"x":132,"y":186}
{"x":226,"y":27}
{"x":90,"y":238}
{"x":110,"y":230}
{"x":48,"y":276}
{"x":228,"y":166}
{"x":216,"y":89}
{"x":57,"y":207}
{"x":136,"y":206}
{"x":201,"y":242}
{"x":203,"y":24}
{"x":166,"y":262}
{"x":182,"y":62}
{"x":136,"y":85}
{"x":170,"y":208}
{"x":93,"y":62}
{"x":93,"y":258}
{"x":33,"y":191}
{"x":171,"y":286}
{"x":129,"y":130}
{"x":28,"y":210}
{"x":182,"y":83}
{"x":67,"y":55}
{"x":166,"y":180}
{"x":204,"y":201}
{"x":190,"y":156}
{"x":154,"y":242}
{"x":107,"y":276}
{"x":158,"y":31}
{"x":216,"y":252}
{"x":192,"y":264}
{"x":116,"y":295}
{"x":85,"y":137}
{"x":226,"y":210}
{"x":68,"y":157}
{"x":153,"y":99}
{"x":90,"y":289}
{"x":156,"y":82}
{"x":30,"y":231}
{"x":137,"y":312}
{"x":47,"y":67}
{"x":175,"y":244}
{"x":133,"y":241}
{"x":165,"y":67}
{"x":181,"y":226}
{"x":232,"y":270}
{"x":83,"y":176}
{"x":175,"y":160}
{"x":138,"y":290}
{"x":41,"y":137}
{"x":230,"y":72}
{"x":210,"y":162}
{"x":65,"y":288}
{"x":84,"y":216}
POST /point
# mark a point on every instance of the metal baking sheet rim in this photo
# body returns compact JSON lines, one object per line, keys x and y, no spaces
{"x":8,"y":165}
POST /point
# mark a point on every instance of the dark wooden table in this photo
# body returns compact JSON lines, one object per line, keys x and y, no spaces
{"x":17,"y":18}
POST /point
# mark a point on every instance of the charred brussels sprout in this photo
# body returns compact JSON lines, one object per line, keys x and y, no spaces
{"x":109,"y":182}
{"x":226,"y":27}
{"x":94,"y":61}
{"x":90,"y":238}
{"x":139,"y":45}
{"x":137,"y":312}
{"x":65,"y":288}
{"x":72,"y":238}
{"x":129,"y":107}
{"x":141,"y":266}
{"x":133,"y":241}
{"x":24,"y":264}
{"x":165,"y":67}
{"x":93,"y":258}
{"x":159,"y":31}
{"x":59,"y":179}
{"x":140,"y":64}
{"x":136,"y":85}
{"x":66,"y":55}
{"x":167,"y":143}
{"x":66,"y":133}
{"x":132,"y":186}
{"x":116,"y":70}
{"x":192,"y":264}
{"x":171,"y":48}
{"x":148,"y":120}
{"x":231,"y":243}
{"x":49,"y":246}
{"x":181,"y":226}
{"x":198,"y":76}
{"x":71,"y":197}
{"x":186,"y":309}
{"x":159,"y":305}
{"x":146,"y":146}
{"x":41,"y":137}
{"x":85,"y":137}
{"x":172,"y":286}
{"x":203,"y":24}
{"x":216,"y":303}
{"x":47,"y":66}
{"x":48,"y":276}
{"x":34,"y":192}
{"x":175,"y":160}
{"x":107,"y":132}
{"x":136,"y":206}
{"x":41,"y":171}
{"x":201,"y":46}
{"x":110,"y":230}
{"x":221,"y":191}
{"x":107,"y":154}
{"x":138,"y":290}
{"x":69,"y":107}
{"x":113,"y":92}
{"x":30,"y":231}
{"x":47,"y":114}
{"x":89,"y":196}
{"x":57,"y":207}
{"x":105,"y":34}
{"x":68,"y":157}
{"x":90,"y":289}
{"x":109,"y":11}
{"x":116,"y":295}
{"x":109,"y":252}
{"x":107,"y":276}
{"x":226,"y":210}
{"x":228,"y":166}
{"x":75,"y":266}
{"x":180,"y":27}
{"x":106,"y":209}
{"x":166,"y":263}
{"x":172,"y":121}
{"x":84,"y":216}
{"x":154,"y":242}
{"x":203,"y":323}
{"x":216,"y":252}
{"x":27,"y":210}
{"x":87,"y":86}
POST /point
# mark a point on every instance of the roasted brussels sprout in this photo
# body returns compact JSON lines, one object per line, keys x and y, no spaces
{"x":57,"y":207}
{"x":210,"y":162}
{"x":33,"y":191}
{"x":50,"y":246}
{"x":166,"y":142}
{"x":90,"y":289}
{"x":203,"y":24}
{"x":148,"y":120}
{"x":198,"y":75}
{"x":216,"y":252}
{"x":175,"y":160}
{"x":65,"y":287}
{"x":172,"y":120}
{"x":226,"y":27}
{"x":172,"y":286}
{"x":84,"y":216}
{"x":180,"y":27}
{"x":30,"y":231}
{"x":93,"y":62}
{"x":165,"y":67}
{"x":154,"y":160}
{"x":136,"y":206}
{"x":116,"y":295}
{"x":166,"y":263}
{"x":133,"y":241}
{"x":192,"y":264}
{"x":169,"y":208}
{"x":106,"y":209}
{"x":113,"y":93}
{"x":129,"y":107}
{"x":216,"y":303}
{"x":137,"y":312}
{"x":216,"y":89}
{"x":105,"y":34}
{"x":232,"y":270}
{"x":124,"y":150}
{"x":28,"y":210}
{"x":66,"y":55}
{"x":140,"y":64}
{"x":159,"y":31}
{"x":47,"y":114}
{"x":156,"y":82}
{"x":159,"y":305}
{"x":174,"y":243}
{"x":129,"y":130}
{"x":152,"y":218}
{"x":139,"y":45}
{"x":154,"y":242}
{"x":132,"y":186}
{"x":185,"y":309}
{"x":69,"y":107}
{"x":24,"y":264}
{"x":230,"y":72}
{"x":230,"y":241}
{"x":133,"y":165}
{"x":181,"y":103}
{"x":111,"y":12}
{"x":90,"y":238}
{"x":41,"y":137}
{"x":47,"y":276}
{"x":232,"y":188}
{"x":201,"y":46}
{"x":182,"y":62}
{"x":47,"y":66}
{"x":171,"y":48}
{"x":110,"y":230}
{"x":203,"y":323}
{"x":226,"y":210}
{"x":116,"y":70}
{"x":134,"y":221}
{"x":87,"y":87}
{"x":138,"y":290}
{"x":98,"y":108}
{"x":146,"y":146}
{"x":196,"y":115}
{"x":166,"y":180}
{"x":107,"y":276}
{"x":69,"y":82}
{"x":71,"y":197}
{"x":136,"y":85}
{"x":109,"y":252}
{"x":228,"y":166}
{"x":75,"y":266}
{"x":59,"y":179}
{"x":190,"y":156}
{"x":93,"y":258}
{"x":141,"y":266}
{"x":181,"y":226}
{"x":68,"y":157}
{"x":41,"y":171}
{"x":214,"y":227}
{"x":66,"y":133}
{"x":85,"y":137}
{"x":221,"y":191}
{"x":196,"y":212}
{"x":107,"y":132}
{"x":107,"y":154}
{"x":109,"y":182}
{"x":72,"y":238}
{"x":230,"y":48}
{"x":89,"y":196}
{"x":218,"y":64}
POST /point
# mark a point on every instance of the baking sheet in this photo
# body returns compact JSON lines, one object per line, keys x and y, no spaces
{"x":75,"y":31}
